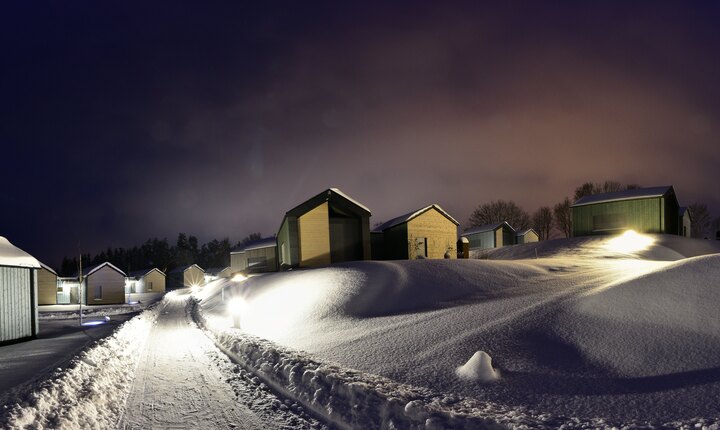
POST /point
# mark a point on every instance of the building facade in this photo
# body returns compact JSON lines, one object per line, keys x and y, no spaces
{"x":490,"y":236}
{"x":18,"y":293}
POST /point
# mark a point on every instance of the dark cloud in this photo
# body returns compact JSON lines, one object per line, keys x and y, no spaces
{"x":136,"y":120}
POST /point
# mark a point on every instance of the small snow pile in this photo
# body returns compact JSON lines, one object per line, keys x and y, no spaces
{"x":91,"y":391}
{"x":478,"y":368}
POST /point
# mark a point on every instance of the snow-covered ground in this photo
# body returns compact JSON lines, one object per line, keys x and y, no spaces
{"x":596,"y":332}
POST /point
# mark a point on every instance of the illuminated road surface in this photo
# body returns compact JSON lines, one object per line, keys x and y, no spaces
{"x":178,"y":385}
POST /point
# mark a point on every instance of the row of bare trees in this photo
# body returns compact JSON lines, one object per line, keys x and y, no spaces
{"x":547,"y":220}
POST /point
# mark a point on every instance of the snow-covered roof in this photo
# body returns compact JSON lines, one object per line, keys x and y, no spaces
{"x":268,"y":242}
{"x":87,"y":271}
{"x":486,"y":227}
{"x":410,"y":215}
{"x":324,"y":196}
{"x":685,"y":210}
{"x":215,"y":271}
{"x":526,"y":231}
{"x":185,"y":267}
{"x":10,"y":255}
{"x":140,"y":273}
{"x":48,"y":268}
{"x":637,"y":193}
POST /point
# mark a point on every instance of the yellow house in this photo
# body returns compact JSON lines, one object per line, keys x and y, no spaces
{"x":328,"y":228}
{"x":47,"y":285}
{"x":526,"y":236}
{"x":103,"y":284}
{"x":146,"y":281}
{"x":190,"y":275}
{"x":429,"y":232}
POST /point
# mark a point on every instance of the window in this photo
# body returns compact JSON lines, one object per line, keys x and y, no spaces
{"x":150,"y":285}
{"x":98,"y":292}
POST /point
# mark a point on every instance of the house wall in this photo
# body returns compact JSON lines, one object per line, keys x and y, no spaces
{"x":268,"y":253}
{"x":238,"y":261}
{"x":482,"y":240}
{"x":377,"y":240}
{"x":18,"y":303}
{"x":396,"y":246}
{"x":528,"y":237}
{"x":113,"y":287}
{"x":685,"y":225}
{"x":314,"y":237}
{"x":153,"y":282}
{"x":670,"y":223}
{"x":441,"y":233}
{"x":47,"y":287}
{"x":641,"y":215}
{"x":193,"y":276}
{"x":288,"y":247}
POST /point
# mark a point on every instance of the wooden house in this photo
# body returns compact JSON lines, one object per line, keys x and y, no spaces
{"x":528,"y":235}
{"x":215,"y":273}
{"x":429,"y":232}
{"x":47,"y":285}
{"x":328,"y":228}
{"x":238,"y":260}
{"x":685,"y":222}
{"x":644,"y":210}
{"x":490,"y":236}
{"x":18,"y":293}
{"x":261,"y":256}
{"x":103,"y":284}
{"x":190,"y":275}
{"x":145,"y":281}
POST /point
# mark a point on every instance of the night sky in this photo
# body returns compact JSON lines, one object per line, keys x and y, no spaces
{"x":126,"y":120}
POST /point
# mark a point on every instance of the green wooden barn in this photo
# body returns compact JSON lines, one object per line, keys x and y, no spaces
{"x":645,"y":210}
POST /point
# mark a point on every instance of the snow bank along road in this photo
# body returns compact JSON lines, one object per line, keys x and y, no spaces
{"x":158,"y":370}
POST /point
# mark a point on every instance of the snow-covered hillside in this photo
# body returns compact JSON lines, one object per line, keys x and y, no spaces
{"x":591,"y":329}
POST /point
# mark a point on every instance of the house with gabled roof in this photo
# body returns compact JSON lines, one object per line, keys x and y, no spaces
{"x":644,"y":210}
{"x":18,"y":293}
{"x":214,"y":273}
{"x":146,"y":281}
{"x":103,"y":284}
{"x":429,"y":232}
{"x":330,"y":227}
{"x":527,"y":235}
{"x":685,"y":222}
{"x":490,"y":236}
{"x":47,"y":285}
{"x":188,"y":275}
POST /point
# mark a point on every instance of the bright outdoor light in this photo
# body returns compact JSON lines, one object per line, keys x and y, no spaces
{"x":239,"y":277}
{"x":91,"y":323}
{"x":629,"y":242}
{"x":195,"y":288}
{"x":237,"y":307}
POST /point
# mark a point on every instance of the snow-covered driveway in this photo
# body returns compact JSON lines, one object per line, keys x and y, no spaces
{"x":177,"y":384}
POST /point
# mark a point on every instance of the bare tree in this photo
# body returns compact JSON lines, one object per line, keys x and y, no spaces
{"x":700,"y":219}
{"x":590,"y":188}
{"x":563,"y":217}
{"x":586,"y":189}
{"x":542,"y":221}
{"x":498,"y":211}
{"x":611,"y":186}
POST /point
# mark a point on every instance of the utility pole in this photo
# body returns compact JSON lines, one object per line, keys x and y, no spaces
{"x":80,"y":286}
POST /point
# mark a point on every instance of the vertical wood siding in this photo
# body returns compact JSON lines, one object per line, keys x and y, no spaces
{"x":16,"y":307}
{"x":193,"y":276}
{"x":113,"y":287}
{"x":314,"y":234}
{"x":47,"y":287}
{"x":441,"y":233}
{"x":642,"y":215}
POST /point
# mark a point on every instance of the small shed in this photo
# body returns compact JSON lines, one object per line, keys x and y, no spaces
{"x":645,"y":210}
{"x":528,"y":235}
{"x":145,"y":281}
{"x":463,"y":248}
{"x":18,"y":293}
{"x":327,"y":228}
{"x":429,"y":232}
{"x":103,"y":284}
{"x":685,"y":222}
{"x":214,"y":273}
{"x":261,"y":256}
{"x":47,"y":285}
{"x":490,"y":236}
{"x":238,"y":260}
{"x":190,"y":275}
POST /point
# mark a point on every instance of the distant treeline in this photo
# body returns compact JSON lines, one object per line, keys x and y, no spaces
{"x":159,"y":253}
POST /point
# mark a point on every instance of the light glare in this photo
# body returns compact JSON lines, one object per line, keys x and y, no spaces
{"x":629,"y":242}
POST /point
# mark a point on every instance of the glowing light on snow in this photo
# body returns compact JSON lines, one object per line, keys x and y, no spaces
{"x":92,"y":323}
{"x":195,"y":288}
{"x":629,"y":242}
{"x":237,"y":307}
{"x":239,"y":277}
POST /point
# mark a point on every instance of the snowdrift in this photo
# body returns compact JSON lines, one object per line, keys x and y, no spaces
{"x":587,"y":334}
